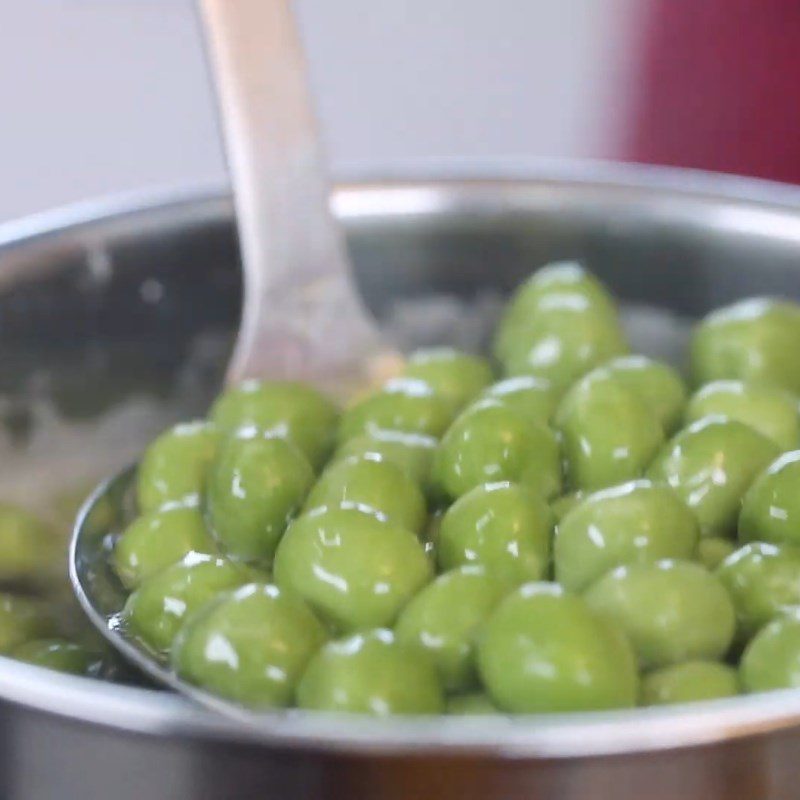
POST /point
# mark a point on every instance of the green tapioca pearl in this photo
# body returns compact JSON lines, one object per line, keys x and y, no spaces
{"x":771,"y":411}
{"x":763,"y":580}
{"x":504,"y":528}
{"x":563,"y":277}
{"x":771,"y":508}
{"x":412,"y":452}
{"x":373,"y":486}
{"x":59,"y":655}
{"x":458,"y":377}
{"x":608,"y":434}
{"x":403,"y":404}
{"x":29,"y":549}
{"x":370,"y":673}
{"x":752,"y":340}
{"x":772,"y":659}
{"x":256,"y":486}
{"x":489,"y":443}
{"x":689,"y":682}
{"x":174,"y":467}
{"x":658,"y":385}
{"x":543,"y":650}
{"x":473,"y":704}
{"x":711,"y":464}
{"x":444,"y":619}
{"x":713,"y":550}
{"x":158,"y":539}
{"x":636,"y":523}
{"x":161,"y":604}
{"x":672,"y":611}
{"x":532,"y":398}
{"x":565,"y":339}
{"x":23,"y":619}
{"x":250,"y":645}
{"x":353,"y":570}
{"x":294,"y":411}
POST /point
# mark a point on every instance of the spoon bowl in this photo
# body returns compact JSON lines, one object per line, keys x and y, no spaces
{"x":104,"y":515}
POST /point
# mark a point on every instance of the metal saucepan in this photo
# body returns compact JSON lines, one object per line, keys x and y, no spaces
{"x":115,"y":320}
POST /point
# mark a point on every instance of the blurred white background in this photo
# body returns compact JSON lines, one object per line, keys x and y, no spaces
{"x":105,"y":96}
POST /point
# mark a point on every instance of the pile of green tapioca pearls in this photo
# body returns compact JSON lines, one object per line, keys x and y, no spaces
{"x":562,"y":527}
{"x":36,"y":620}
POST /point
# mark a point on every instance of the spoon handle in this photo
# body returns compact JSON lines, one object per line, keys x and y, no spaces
{"x":302,"y":316}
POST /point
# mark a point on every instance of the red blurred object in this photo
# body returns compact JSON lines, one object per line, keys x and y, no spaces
{"x":720,"y":87}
